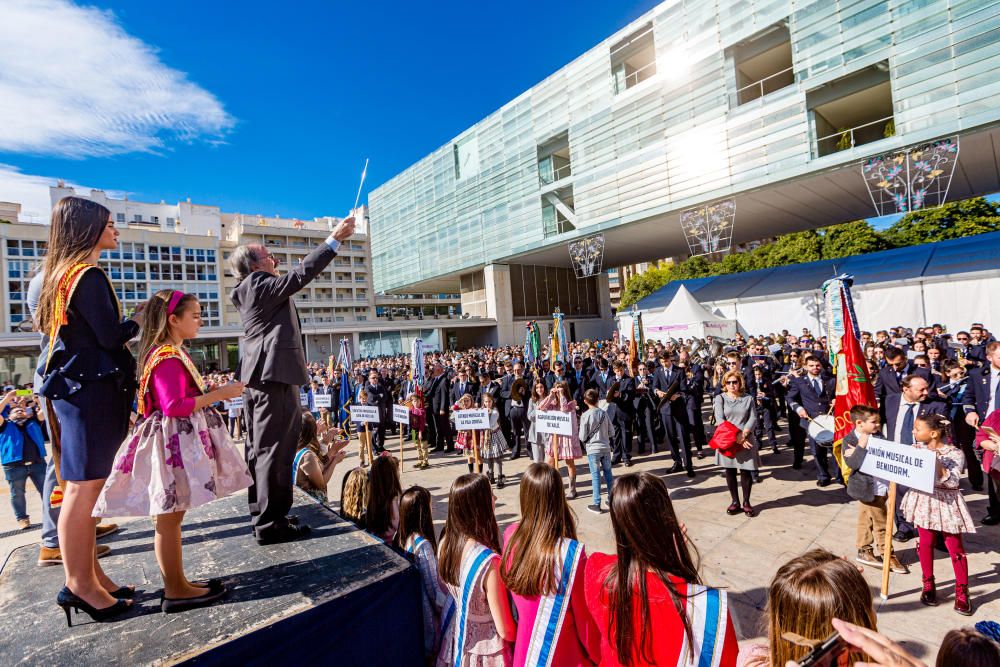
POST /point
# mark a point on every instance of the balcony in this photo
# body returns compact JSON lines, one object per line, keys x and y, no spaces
{"x":852,"y":111}
{"x":763,"y":64}
{"x":554,"y":160}
{"x":633,"y":60}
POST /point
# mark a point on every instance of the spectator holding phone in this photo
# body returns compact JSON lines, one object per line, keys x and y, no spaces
{"x":22,"y":451}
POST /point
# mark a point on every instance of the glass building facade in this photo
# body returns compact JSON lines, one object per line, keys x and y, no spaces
{"x":694,"y":101}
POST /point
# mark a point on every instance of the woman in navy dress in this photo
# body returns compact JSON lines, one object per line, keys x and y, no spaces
{"x":89,"y":376}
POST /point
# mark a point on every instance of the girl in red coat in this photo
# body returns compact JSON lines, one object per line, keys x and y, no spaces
{"x":652,"y":583}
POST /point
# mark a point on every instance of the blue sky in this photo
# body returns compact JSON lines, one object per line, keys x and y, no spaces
{"x":271,"y":108}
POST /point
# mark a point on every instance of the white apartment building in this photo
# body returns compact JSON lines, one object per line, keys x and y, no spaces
{"x":186,"y":246}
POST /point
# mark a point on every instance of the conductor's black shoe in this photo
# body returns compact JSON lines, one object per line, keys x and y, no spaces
{"x":292,"y":520}
{"x":902,"y":536}
{"x":676,"y":468}
{"x":280,"y":535}
{"x":822,"y":482}
{"x":990,"y":520}
{"x":690,"y":472}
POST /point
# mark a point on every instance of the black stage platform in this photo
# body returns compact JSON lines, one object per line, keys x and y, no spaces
{"x":338,"y":598}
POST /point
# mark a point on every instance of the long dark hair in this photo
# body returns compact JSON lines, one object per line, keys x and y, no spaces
{"x":470,"y":516}
{"x":529,"y":561}
{"x":415,"y":516}
{"x":385,"y":486}
{"x":649,"y":540}
{"x":77,"y":225}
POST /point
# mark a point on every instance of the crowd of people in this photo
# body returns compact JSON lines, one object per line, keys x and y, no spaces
{"x":124,"y":429}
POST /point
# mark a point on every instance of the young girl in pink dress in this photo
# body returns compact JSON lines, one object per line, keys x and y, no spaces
{"x":563,"y":447}
{"x":178,"y":455}
{"x":942,"y":514}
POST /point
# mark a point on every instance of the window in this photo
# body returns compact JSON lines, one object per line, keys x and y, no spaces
{"x":119,"y":217}
{"x":156,"y":219}
{"x":633,"y":60}
{"x":137,"y":218}
{"x":853,"y":110}
{"x":763,"y":64}
{"x":170,"y":222}
{"x":553,"y":159}
{"x":558,"y":216}
{"x":466,"y":158}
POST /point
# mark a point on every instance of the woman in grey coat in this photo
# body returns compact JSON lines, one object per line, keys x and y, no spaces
{"x":737,"y":407}
{"x":537,"y":441}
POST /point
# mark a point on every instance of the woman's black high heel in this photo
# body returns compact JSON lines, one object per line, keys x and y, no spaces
{"x":123,"y":593}
{"x":68,"y":601}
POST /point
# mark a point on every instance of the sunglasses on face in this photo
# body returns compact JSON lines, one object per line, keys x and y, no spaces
{"x":732,"y":381}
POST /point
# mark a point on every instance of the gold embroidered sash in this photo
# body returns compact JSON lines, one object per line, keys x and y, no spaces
{"x":161,"y":354}
{"x":67,"y":287}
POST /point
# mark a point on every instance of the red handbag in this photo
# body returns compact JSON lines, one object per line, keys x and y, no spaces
{"x":724,"y":439}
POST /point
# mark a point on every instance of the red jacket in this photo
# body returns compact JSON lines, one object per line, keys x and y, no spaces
{"x":665,"y":627}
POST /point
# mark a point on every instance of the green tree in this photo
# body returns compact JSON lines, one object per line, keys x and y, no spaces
{"x":850,"y":238}
{"x":642,"y":285}
{"x":796,"y":248}
{"x":950,"y":221}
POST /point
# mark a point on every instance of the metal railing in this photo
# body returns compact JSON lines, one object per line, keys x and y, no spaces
{"x":556,"y":174}
{"x":849,"y":137}
{"x":635,"y":78}
{"x":743,"y":98}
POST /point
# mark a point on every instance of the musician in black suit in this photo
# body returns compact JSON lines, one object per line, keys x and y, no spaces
{"x":438,"y":398}
{"x":487,"y":385}
{"x":810,"y":396}
{"x":603,"y":377}
{"x":515,"y":390}
{"x":580,"y":379}
{"x":890,"y":377}
{"x":669,"y":385}
{"x":694,"y":398}
{"x":462,"y":385}
{"x":624,"y":415}
{"x":381,"y":397}
{"x":982,"y":397}
{"x":273,"y":366}
{"x":645,"y":409}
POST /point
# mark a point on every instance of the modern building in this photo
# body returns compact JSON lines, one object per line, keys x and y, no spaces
{"x":774,"y":105}
{"x":187,"y":246}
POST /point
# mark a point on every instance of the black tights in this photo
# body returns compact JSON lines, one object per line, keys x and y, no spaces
{"x":746,"y":481}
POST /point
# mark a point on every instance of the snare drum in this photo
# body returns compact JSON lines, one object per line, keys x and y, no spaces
{"x":821,"y":430}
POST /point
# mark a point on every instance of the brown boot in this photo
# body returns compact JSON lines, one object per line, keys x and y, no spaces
{"x":49,"y":556}
{"x":105,"y":529}
{"x":929,"y":594}
{"x":963,"y":605}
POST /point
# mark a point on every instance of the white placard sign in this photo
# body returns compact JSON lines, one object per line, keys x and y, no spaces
{"x":304,"y":400}
{"x":555,"y":422}
{"x":323,"y":400}
{"x":401,"y":414}
{"x":365,"y":413}
{"x":234,"y":404}
{"x":903,"y":464}
{"x":472,"y":420}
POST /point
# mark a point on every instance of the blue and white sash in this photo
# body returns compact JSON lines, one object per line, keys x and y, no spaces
{"x":415,"y":543}
{"x":296,"y":461}
{"x":552,"y":608}
{"x":474,"y":563}
{"x":707,"y":609}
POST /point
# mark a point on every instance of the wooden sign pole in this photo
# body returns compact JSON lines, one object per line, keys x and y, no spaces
{"x":401,"y":451}
{"x":368,"y":444}
{"x":475,"y":449}
{"x":890,"y":515}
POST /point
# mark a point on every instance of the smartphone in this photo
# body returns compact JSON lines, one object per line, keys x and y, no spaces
{"x":827,"y":654}
{"x":23,"y":392}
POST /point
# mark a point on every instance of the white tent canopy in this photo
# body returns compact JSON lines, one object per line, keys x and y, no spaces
{"x":683,"y":317}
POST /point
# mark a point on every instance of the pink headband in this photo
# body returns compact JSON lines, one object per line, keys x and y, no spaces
{"x":175,"y":299}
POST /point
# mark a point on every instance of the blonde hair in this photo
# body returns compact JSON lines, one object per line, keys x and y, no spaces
{"x":806,"y":594}
{"x":354,"y":497}
{"x":742,"y":386}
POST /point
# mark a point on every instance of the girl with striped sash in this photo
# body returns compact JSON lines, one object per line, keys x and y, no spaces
{"x":648,"y":601}
{"x":468,"y":563}
{"x":416,"y":534}
{"x":543,"y":566}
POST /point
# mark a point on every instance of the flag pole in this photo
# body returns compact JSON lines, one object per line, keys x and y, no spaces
{"x":890,"y":506}
{"x":364,"y":172}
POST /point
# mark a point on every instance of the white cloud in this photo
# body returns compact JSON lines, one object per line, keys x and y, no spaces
{"x":32,"y":192}
{"x":73,"y":83}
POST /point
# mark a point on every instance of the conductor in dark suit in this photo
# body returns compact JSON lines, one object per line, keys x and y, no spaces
{"x":381,"y":397}
{"x":810,"y":396}
{"x":273,"y":366}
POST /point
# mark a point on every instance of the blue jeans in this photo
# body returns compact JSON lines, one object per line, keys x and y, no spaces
{"x":50,"y":514}
{"x":598,"y":463}
{"x":17,"y":475}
